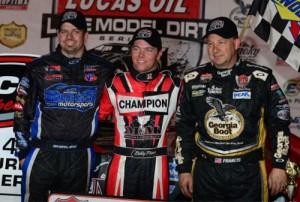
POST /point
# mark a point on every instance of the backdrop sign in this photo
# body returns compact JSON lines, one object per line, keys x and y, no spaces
{"x":12,"y":67}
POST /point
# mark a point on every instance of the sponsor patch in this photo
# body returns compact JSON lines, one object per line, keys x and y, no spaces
{"x":241,"y":95}
{"x":283,"y":144}
{"x":197,"y":93}
{"x":190,"y":76}
{"x":205,"y":78}
{"x":194,"y":87}
{"x":24,"y":82}
{"x":224,"y":73}
{"x":242,"y":81}
{"x":131,"y":103}
{"x":214,"y":90}
{"x":90,"y":77}
{"x":53,"y":77}
{"x":55,"y":68}
{"x":284,"y":114}
{"x":260,"y":75}
{"x":227,"y":160}
{"x":223,"y":122}
{"x":21,"y":90}
{"x":66,"y":96}
{"x":275,"y":87}
{"x":90,"y":68}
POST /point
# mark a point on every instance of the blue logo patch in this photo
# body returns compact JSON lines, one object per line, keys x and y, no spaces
{"x":76,"y":97}
{"x":241,"y":95}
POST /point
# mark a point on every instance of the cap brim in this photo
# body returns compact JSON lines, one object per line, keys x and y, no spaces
{"x":221,"y":35}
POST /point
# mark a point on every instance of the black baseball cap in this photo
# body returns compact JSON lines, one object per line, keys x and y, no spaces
{"x":221,"y":26}
{"x":149,"y":34}
{"x":74,"y":17}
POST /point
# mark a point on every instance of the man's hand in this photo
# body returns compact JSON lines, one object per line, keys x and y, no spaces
{"x":21,"y":162}
{"x":186,"y":184}
{"x":277,"y":181}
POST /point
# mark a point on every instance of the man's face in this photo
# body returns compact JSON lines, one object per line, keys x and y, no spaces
{"x":144,"y":56}
{"x":71,"y":40}
{"x":221,"y":51}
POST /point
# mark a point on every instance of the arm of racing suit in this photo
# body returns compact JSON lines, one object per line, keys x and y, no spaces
{"x":106,"y":107}
{"x":185,"y":143}
{"x":24,"y":113}
{"x":277,"y":118}
{"x":185,"y":123}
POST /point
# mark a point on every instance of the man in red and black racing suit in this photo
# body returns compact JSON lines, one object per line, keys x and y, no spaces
{"x":142,"y":111}
{"x":231,"y":110}
{"x":56,"y":117}
{"x":142,"y":104}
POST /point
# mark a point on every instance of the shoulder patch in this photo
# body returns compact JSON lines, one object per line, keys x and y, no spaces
{"x":260,"y":75}
{"x":190,"y":76}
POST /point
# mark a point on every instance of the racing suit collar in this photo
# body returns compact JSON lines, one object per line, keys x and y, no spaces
{"x":69,"y":62}
{"x":228,"y":71}
{"x":144,"y":76}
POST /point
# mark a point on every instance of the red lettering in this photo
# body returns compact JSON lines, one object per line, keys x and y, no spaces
{"x":6,"y":106}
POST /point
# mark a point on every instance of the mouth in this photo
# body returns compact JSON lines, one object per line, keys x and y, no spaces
{"x":141,"y":61}
{"x":70,"y":43}
{"x":218,"y":56}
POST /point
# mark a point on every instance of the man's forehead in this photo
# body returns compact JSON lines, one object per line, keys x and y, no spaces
{"x":67,"y":25}
{"x":141,"y":43}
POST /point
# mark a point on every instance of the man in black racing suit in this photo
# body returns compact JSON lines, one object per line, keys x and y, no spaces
{"x":226,"y":107}
{"x":57,"y":112}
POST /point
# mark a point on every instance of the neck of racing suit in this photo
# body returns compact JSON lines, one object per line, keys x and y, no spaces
{"x":144,"y":76}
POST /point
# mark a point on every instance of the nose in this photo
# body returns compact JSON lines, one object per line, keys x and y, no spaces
{"x":142,"y":52}
{"x":215,"y":48}
{"x":69,"y":35}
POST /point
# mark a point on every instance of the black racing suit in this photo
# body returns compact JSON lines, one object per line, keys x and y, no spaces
{"x":222,"y":120}
{"x":56,"y":116}
{"x":143,"y":104}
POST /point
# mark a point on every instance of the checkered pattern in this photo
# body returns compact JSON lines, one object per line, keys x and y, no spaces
{"x":270,"y":27}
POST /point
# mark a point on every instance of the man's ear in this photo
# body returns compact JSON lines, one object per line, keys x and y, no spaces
{"x":159,"y":54}
{"x":237,"y":43}
{"x":86,"y":36}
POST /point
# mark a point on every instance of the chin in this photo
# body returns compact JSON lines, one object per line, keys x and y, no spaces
{"x":141,"y":69}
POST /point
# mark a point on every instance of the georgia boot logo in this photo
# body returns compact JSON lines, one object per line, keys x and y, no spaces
{"x":223,"y":122}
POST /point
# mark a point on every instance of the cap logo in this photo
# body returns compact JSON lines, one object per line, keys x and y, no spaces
{"x":69,"y":16}
{"x":144,"y":34}
{"x":217,"y":24}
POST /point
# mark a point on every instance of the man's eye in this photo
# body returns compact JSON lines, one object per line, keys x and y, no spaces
{"x":76,"y":32}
